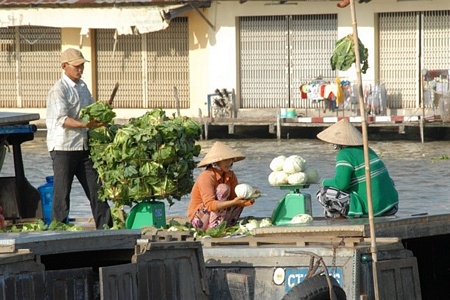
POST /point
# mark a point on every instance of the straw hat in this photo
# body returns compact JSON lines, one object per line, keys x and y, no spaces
{"x":342,"y":133}
{"x":218,"y":152}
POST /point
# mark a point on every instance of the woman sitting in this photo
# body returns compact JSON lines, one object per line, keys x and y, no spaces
{"x":205,"y":209}
{"x":345,"y":195}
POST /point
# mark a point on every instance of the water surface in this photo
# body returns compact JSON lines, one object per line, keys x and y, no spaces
{"x":420,"y":173}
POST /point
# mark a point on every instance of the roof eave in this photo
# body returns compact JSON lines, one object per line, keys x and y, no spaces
{"x":91,"y":3}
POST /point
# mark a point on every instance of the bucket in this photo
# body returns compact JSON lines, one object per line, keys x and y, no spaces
{"x":291,"y":113}
{"x":283,"y":113}
{"x":46,"y":192}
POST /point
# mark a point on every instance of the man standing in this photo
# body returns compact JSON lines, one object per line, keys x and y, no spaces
{"x":67,"y":141}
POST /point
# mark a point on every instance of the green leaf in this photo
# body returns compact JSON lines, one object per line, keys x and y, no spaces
{"x":99,"y":111}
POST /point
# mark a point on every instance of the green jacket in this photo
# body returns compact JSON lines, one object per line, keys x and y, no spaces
{"x":351,"y":177}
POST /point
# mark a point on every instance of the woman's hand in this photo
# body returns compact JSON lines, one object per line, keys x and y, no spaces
{"x":243,"y":202}
{"x":238,"y":201}
{"x":248,"y":202}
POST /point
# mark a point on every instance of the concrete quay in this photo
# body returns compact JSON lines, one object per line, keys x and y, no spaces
{"x":407,"y":124}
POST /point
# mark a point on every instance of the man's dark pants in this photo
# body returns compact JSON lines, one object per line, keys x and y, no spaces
{"x":66,"y":165}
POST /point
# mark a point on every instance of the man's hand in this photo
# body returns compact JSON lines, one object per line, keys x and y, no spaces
{"x":77,"y":123}
{"x":94,"y":124}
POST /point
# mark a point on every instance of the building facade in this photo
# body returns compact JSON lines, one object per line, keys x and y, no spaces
{"x":170,"y":55}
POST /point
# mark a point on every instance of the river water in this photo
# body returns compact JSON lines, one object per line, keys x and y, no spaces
{"x":421,"y":172}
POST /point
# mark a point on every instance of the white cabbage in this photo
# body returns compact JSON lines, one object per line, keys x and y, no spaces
{"x":313,"y":175}
{"x":277,"y":163}
{"x":252,"y":224}
{"x":273,"y":179}
{"x":301,"y":219}
{"x":244,"y":190}
{"x":278,"y":178}
{"x":242,"y":228}
{"x":266,"y":222}
{"x":294,"y":164}
{"x":297,"y":178}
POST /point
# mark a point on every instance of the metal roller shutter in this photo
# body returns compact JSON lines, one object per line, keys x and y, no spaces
{"x":29,"y":65}
{"x":168,"y":65}
{"x":410,"y":42}
{"x":399,"y":45}
{"x":279,"y":53}
{"x":147,"y":66}
{"x":40,"y":51}
{"x":312,"y":43}
{"x":8,"y":83}
{"x":436,"y":40}
{"x":123,"y":64}
{"x":264,"y":61}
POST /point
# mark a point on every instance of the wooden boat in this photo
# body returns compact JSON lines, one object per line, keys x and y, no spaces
{"x":148,"y":263}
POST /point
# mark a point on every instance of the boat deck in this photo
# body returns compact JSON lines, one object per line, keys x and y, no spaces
{"x":349,"y":232}
{"x":354,"y":231}
{"x":399,"y":227}
{"x":424,"y":239}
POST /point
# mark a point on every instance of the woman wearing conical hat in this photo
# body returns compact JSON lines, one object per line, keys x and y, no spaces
{"x":345,"y":195}
{"x":205,"y":209}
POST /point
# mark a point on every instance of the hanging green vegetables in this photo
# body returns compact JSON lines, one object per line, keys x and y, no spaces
{"x":344,"y":54}
{"x":152,"y":157}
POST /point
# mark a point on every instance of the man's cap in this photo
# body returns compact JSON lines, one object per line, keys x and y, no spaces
{"x":342,"y":133}
{"x":218,"y":152}
{"x":73,"y":57}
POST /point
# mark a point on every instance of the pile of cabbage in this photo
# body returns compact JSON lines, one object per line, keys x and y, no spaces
{"x":151,"y":157}
{"x":291,"y":170}
{"x":246,"y":226}
{"x":243,"y":228}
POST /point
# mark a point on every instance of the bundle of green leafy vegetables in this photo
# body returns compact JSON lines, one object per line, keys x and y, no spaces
{"x":344,"y":54}
{"x":98,"y":111}
{"x":41,"y":226}
{"x":151,"y":157}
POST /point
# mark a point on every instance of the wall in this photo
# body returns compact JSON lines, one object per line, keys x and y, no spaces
{"x":221,"y":59}
{"x":213,"y":51}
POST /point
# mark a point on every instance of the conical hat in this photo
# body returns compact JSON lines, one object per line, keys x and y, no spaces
{"x":218,"y":152}
{"x":342,"y":133}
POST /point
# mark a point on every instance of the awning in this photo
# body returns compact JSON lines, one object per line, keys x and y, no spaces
{"x":174,"y":11}
{"x":177,"y":10}
{"x":123,"y":19}
{"x":126,"y":20}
